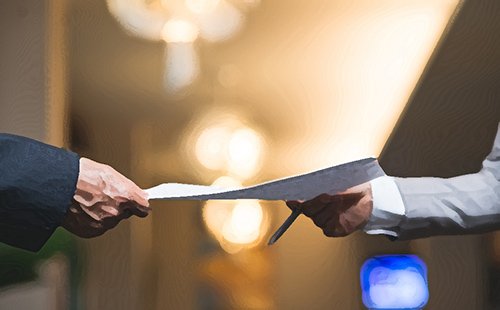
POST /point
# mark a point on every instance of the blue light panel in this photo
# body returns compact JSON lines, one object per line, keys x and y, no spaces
{"x":394,"y":282}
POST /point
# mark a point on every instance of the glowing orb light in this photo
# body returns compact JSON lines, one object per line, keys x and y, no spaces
{"x":394,"y":282}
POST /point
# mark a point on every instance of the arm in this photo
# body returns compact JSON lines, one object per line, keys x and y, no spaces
{"x":415,"y":207}
{"x":42,"y":187}
{"x":37,"y":183}
{"x":435,"y":206}
{"x":459,"y":205}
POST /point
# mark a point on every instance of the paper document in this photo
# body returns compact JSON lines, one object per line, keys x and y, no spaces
{"x":302,"y":187}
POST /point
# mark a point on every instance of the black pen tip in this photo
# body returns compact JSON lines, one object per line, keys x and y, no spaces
{"x":274,"y":237}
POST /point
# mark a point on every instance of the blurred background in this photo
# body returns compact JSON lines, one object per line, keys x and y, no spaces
{"x":238,"y":92}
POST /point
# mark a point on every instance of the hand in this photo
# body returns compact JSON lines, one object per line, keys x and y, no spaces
{"x":103,"y":198}
{"x":340,"y":214}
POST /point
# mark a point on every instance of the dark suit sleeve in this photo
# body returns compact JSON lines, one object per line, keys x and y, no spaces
{"x":37,"y":184}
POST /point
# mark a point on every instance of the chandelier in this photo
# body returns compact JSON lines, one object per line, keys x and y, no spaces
{"x":179,"y":23}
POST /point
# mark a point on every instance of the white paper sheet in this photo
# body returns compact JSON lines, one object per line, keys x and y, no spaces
{"x":302,"y":187}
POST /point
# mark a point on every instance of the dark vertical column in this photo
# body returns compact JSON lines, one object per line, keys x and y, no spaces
{"x":447,"y":130}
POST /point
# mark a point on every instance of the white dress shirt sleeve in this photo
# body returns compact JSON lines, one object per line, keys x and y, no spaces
{"x":388,"y":207}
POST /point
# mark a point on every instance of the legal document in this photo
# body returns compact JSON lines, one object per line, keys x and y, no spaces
{"x":301,"y":187}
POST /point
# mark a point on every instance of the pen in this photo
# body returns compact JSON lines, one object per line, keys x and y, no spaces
{"x":281,"y":230}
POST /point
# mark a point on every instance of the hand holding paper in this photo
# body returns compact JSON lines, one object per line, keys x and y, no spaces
{"x":326,"y":182}
{"x":102,"y":199}
{"x":341,"y":214}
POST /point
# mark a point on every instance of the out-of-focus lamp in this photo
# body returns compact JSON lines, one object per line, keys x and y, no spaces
{"x":179,"y":23}
{"x":236,"y":225}
{"x":227,"y":146}
{"x":230,"y":147}
{"x":394,"y":282}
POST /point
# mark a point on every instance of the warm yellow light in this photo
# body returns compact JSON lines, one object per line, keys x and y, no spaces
{"x":182,"y":66}
{"x":230,"y":147}
{"x":244,"y":225}
{"x":201,"y":6}
{"x":222,"y":22}
{"x":179,"y":30}
{"x":346,"y":85}
{"x":138,"y":18}
{"x":227,"y":182}
{"x":244,"y":152}
{"x":211,"y":147}
{"x":216,"y":212}
{"x":236,"y":224}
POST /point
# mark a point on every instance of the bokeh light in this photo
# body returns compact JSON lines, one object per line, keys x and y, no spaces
{"x":222,"y":23}
{"x":201,"y":6}
{"x":138,"y":18}
{"x":234,"y":224}
{"x":182,"y":66}
{"x":230,"y":147}
{"x":216,"y":212}
{"x":244,"y":152}
{"x":179,"y":30}
{"x":211,"y":147}
{"x":243,"y":227}
{"x":226,"y":145}
{"x":179,"y":21}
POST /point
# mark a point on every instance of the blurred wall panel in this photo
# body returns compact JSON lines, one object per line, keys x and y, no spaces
{"x":32,"y":67}
{"x":107,"y":280}
{"x":33,"y":103}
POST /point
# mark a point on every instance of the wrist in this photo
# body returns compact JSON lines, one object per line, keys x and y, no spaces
{"x":387,"y":207}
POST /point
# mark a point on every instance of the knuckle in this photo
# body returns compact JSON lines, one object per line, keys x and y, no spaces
{"x":329,"y":232}
{"x":332,"y":232}
{"x":317,"y":221}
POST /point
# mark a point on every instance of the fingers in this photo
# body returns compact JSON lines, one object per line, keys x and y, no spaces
{"x":319,"y":209}
{"x":104,"y":197}
{"x":303,"y":205}
{"x":333,"y":228}
{"x":134,"y":209}
{"x":328,"y":212}
{"x":345,"y":201}
{"x":137,"y":199}
{"x":312,"y":207}
{"x":323,"y":216}
{"x":137,"y":203}
{"x":111,"y":210}
{"x":140,"y":199}
{"x":83,"y":225}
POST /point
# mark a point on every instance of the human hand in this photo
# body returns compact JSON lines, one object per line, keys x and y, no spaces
{"x":340,"y":214}
{"x":103,"y":198}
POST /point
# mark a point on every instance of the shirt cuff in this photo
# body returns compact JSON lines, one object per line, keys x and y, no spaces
{"x":388,"y":208}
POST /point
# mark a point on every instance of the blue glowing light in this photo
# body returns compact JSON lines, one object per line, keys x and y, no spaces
{"x":394,"y":282}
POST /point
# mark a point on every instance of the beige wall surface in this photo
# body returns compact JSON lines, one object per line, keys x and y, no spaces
{"x":32,"y":69}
